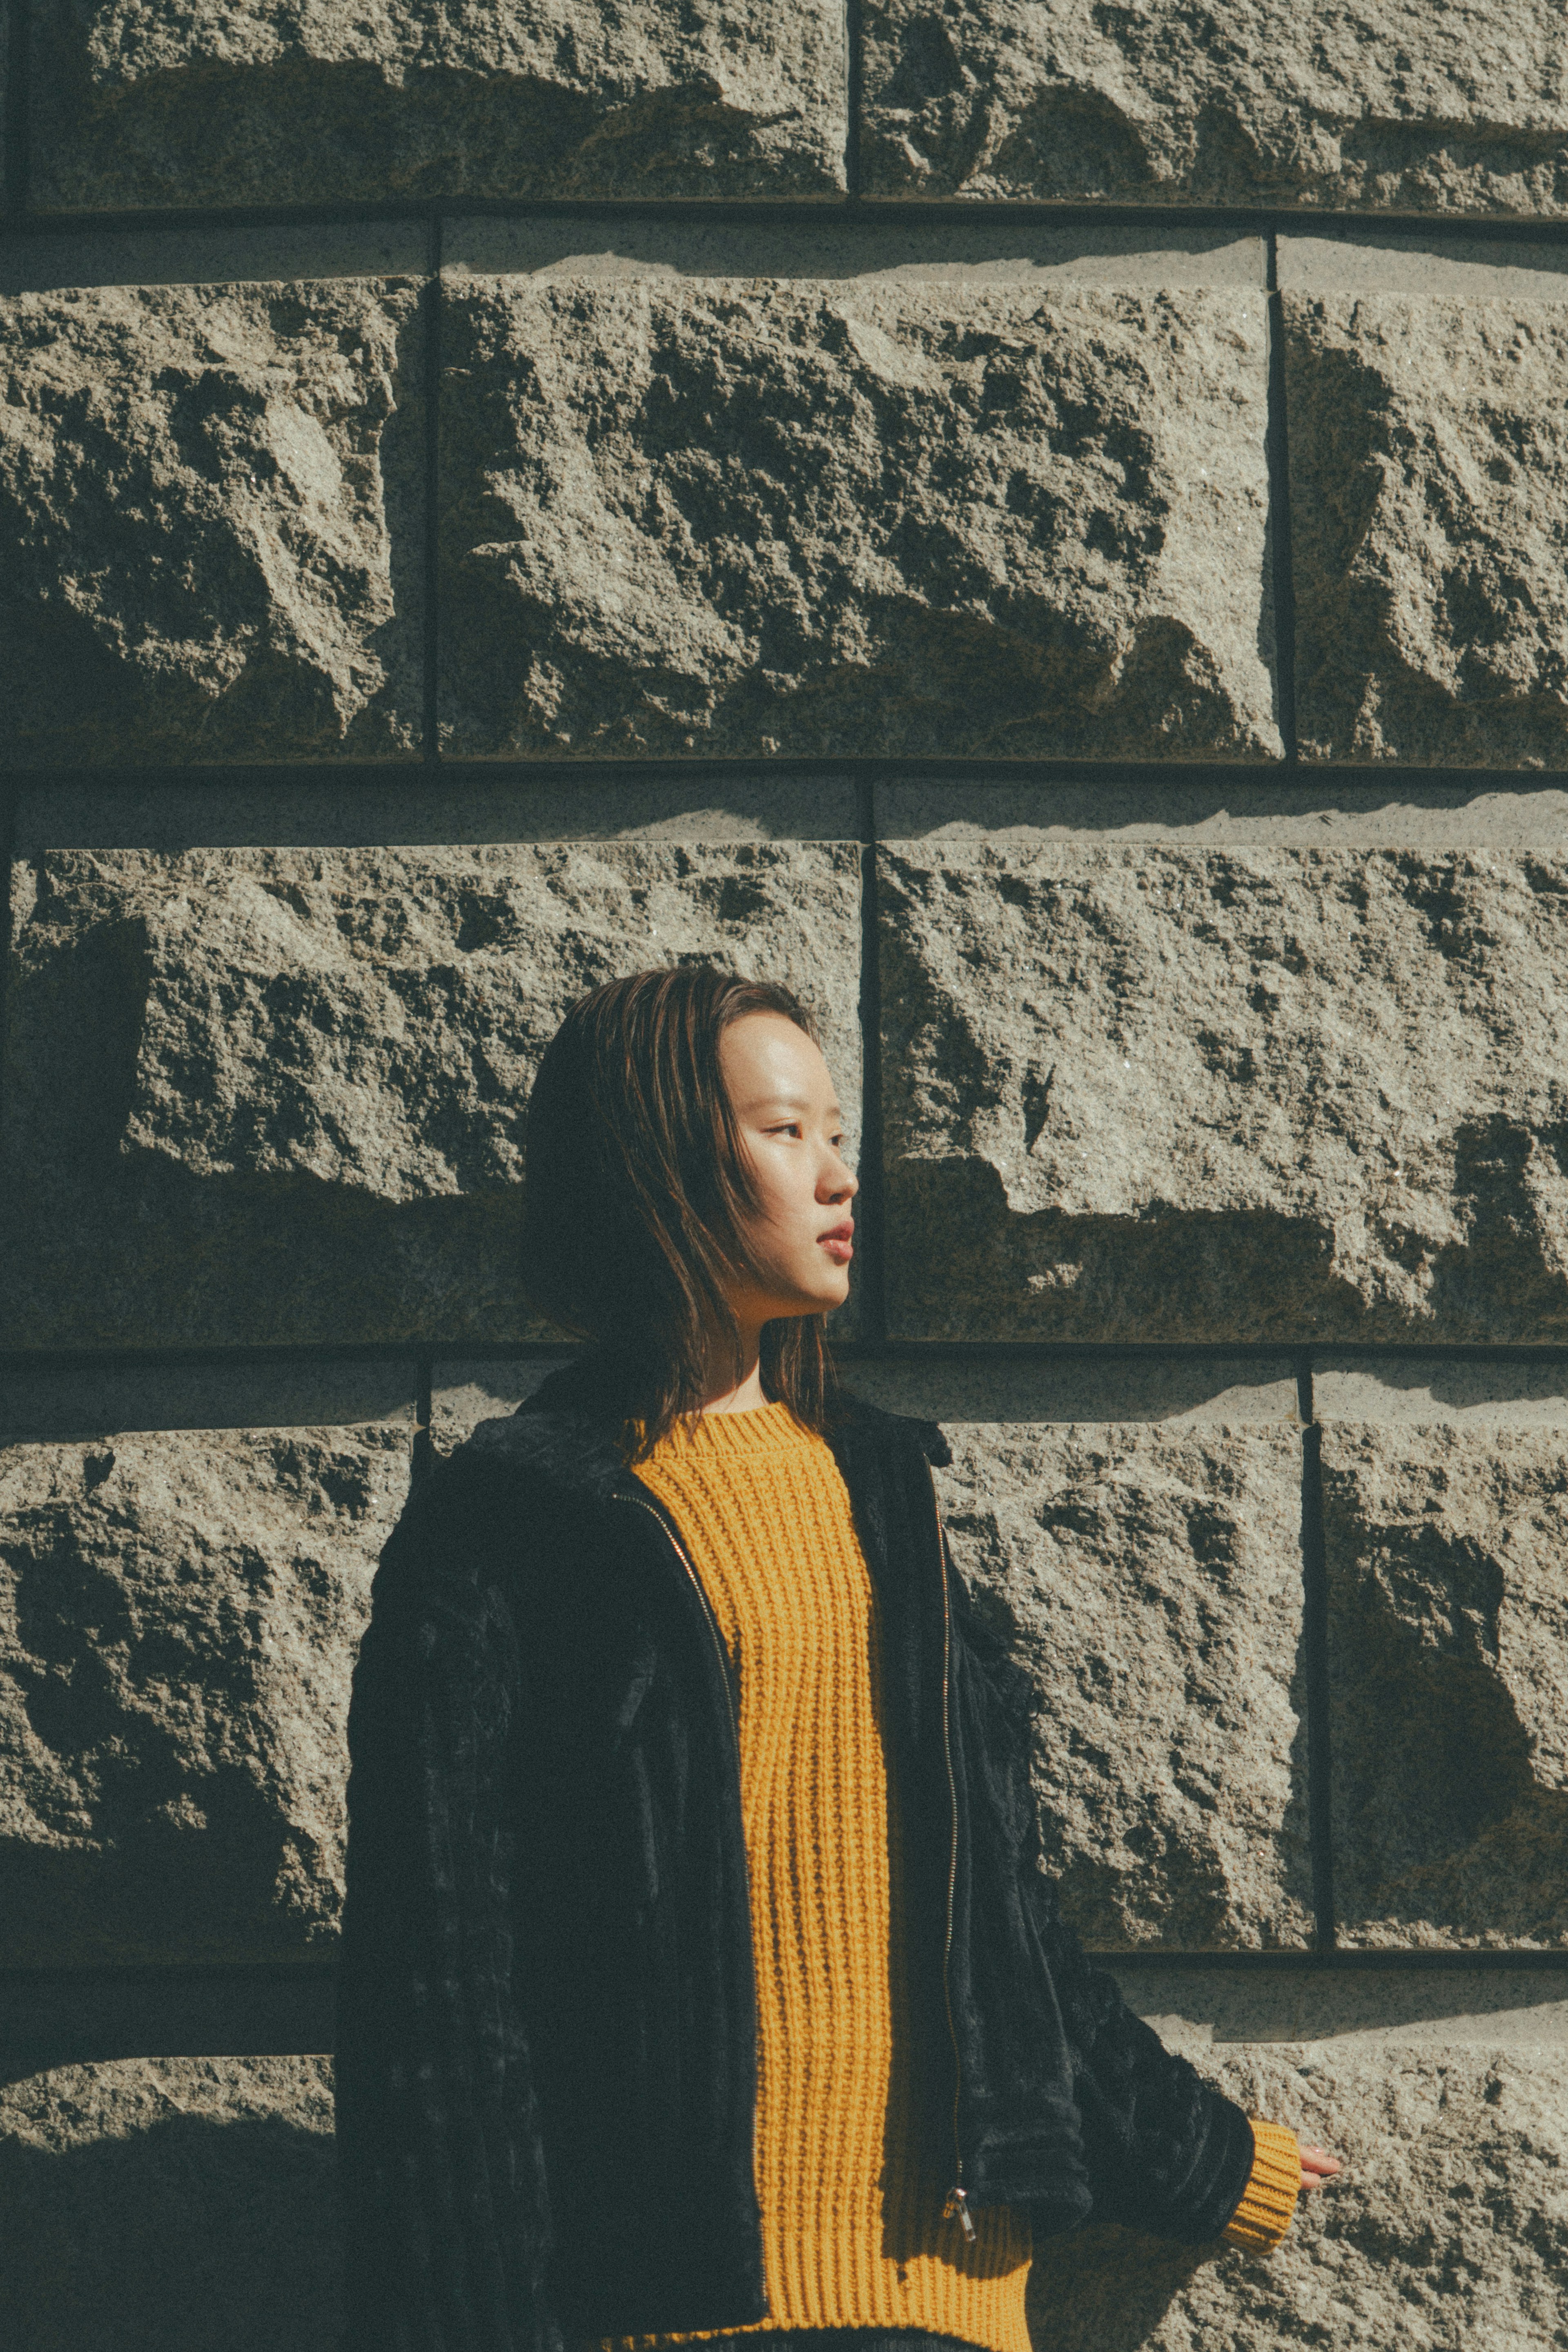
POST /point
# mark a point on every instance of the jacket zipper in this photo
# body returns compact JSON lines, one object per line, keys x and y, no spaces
{"x":711,"y":1621}
{"x":957,"y":2205}
{"x":705,"y":1604}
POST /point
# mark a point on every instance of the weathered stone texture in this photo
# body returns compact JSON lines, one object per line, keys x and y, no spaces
{"x":208,"y":495}
{"x":1150,"y":1581}
{"x":1402,"y":105}
{"x":182,"y":2202}
{"x":1175,"y":1092}
{"x":154,"y":102}
{"x":731,"y":517}
{"x":1428,"y":460}
{"x":179,"y":1617}
{"x":278,"y":1096}
{"x":1447,"y":2229}
{"x":1448,"y":1674}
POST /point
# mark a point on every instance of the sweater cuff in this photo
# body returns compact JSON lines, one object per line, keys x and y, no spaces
{"x":1269,"y":2200}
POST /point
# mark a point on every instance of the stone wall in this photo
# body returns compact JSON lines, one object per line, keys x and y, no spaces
{"x":1043,"y":527}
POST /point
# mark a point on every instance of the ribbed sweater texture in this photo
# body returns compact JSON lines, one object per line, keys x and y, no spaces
{"x":854,"y":2227}
{"x":1269,"y":2200}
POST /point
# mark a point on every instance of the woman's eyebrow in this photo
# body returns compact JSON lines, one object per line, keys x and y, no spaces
{"x":759,"y":1104}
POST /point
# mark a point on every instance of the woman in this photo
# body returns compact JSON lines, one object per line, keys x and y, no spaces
{"x":698,"y":1973}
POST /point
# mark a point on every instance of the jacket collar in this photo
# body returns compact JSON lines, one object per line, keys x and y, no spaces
{"x":566,"y":1435}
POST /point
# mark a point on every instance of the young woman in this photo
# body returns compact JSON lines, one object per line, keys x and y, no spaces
{"x":699,"y":1975}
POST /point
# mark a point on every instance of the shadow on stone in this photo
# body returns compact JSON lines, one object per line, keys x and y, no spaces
{"x":964,"y":1263}
{"x":1444,"y":1644}
{"x":1044,"y":1275}
{"x":192,"y":2234}
{"x":344,"y":128}
{"x":1105,"y":2289}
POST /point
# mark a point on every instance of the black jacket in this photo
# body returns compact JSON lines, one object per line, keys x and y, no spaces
{"x":547,"y":2039}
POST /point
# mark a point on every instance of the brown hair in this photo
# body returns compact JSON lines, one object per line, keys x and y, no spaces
{"x":638,"y":1189}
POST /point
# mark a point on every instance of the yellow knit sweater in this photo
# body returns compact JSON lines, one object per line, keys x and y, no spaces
{"x":854,"y":2227}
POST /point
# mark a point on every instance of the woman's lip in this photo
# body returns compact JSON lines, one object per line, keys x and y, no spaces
{"x":839,"y":1244}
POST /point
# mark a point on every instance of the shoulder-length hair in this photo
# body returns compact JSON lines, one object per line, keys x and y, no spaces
{"x":638,"y":1191}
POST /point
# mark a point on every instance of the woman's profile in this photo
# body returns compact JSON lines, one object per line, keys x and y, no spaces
{"x":699,"y":1973}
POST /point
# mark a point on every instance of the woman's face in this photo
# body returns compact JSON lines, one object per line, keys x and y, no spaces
{"x":790,"y":1127}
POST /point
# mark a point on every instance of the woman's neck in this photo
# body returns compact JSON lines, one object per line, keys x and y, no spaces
{"x":726,"y":1393}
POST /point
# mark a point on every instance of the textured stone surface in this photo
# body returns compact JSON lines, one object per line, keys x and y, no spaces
{"x":278,"y":1095}
{"x":1178,"y":1093}
{"x":720,"y":516}
{"x":179,"y":1615}
{"x":154,"y":102}
{"x":182,"y":2202}
{"x":1448,"y":1674}
{"x":1428,"y":456}
{"x":1151,"y":1583}
{"x":208,"y":494}
{"x":1399,"y":104}
{"x":1448,"y":2230}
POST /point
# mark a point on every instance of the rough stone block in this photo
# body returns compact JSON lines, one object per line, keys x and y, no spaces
{"x":182,"y":2202}
{"x":1449,"y":1675}
{"x":278,"y":1095}
{"x":1172,"y":1092}
{"x":152,"y":102}
{"x":1150,"y":1581}
{"x":210,"y":500}
{"x":835,"y":514}
{"x":1447,"y":2229}
{"x":1399,"y":105}
{"x":1427,"y":455}
{"x":179,"y":1617}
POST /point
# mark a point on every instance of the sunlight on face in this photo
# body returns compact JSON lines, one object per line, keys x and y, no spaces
{"x":791,"y":1128}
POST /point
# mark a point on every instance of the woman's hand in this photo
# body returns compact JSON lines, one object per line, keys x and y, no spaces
{"x":1317,"y":2166}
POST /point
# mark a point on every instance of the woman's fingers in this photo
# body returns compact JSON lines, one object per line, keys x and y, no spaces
{"x":1317,"y":2166}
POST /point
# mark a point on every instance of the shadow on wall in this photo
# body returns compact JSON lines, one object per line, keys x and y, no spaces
{"x":1106,"y":2289}
{"x":192,"y":2234}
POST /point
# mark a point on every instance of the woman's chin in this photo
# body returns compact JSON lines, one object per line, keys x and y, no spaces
{"x":821,"y":1299}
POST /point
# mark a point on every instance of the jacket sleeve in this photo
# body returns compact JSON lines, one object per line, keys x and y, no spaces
{"x":1166,"y":2152}
{"x":441,"y":2161}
